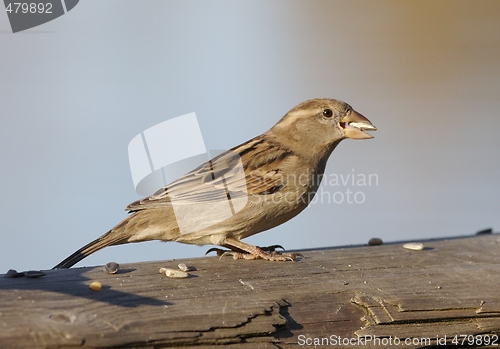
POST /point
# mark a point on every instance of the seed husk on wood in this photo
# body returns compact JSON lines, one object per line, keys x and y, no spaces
{"x":174,"y":273}
{"x":415,"y":246}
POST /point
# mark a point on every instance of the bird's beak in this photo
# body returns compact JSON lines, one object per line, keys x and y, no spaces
{"x":354,"y":125}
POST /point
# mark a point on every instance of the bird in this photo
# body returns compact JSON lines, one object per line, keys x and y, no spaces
{"x":248,"y":189}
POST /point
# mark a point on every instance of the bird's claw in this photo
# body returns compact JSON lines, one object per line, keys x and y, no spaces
{"x":291,"y":256}
{"x":267,"y":253}
{"x":271,"y":248}
{"x":219,"y":251}
{"x":273,"y":256}
{"x":238,"y":255}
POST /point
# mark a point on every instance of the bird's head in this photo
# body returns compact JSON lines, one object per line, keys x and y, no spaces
{"x":318,"y":125}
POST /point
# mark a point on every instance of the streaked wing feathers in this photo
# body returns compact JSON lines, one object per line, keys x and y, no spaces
{"x":252,"y":168}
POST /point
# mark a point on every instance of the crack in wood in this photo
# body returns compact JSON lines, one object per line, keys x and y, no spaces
{"x":385,"y":295}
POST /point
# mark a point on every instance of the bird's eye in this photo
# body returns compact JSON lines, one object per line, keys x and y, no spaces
{"x":327,"y":113}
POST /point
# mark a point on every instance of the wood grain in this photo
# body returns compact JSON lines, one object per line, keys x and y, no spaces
{"x":450,"y":288}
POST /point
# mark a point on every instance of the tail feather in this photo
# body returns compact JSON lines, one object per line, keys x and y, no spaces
{"x":115,"y":236}
{"x":144,"y":225}
{"x":85,"y":251}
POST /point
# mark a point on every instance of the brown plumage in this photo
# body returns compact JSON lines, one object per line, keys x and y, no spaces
{"x":251,"y":188}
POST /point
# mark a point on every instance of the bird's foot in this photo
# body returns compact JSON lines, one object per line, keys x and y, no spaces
{"x":241,"y":250}
{"x":220,"y":251}
{"x":267,"y":253}
{"x":269,"y":256}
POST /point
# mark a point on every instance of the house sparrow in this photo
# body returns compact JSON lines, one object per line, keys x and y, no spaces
{"x":250,"y":188}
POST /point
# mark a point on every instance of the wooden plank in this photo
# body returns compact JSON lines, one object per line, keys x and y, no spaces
{"x":450,"y":288}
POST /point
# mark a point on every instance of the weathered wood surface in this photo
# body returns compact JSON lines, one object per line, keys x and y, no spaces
{"x":450,"y":288}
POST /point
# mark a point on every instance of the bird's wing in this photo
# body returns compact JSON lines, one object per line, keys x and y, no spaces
{"x":252,"y":168}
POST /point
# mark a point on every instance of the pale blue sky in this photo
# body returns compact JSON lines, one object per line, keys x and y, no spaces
{"x":76,"y":90}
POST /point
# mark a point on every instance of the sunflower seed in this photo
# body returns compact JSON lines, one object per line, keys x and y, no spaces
{"x":485,"y":231}
{"x":34,"y":274}
{"x":173,"y":273}
{"x":95,"y":286}
{"x":13,"y":274}
{"x":111,"y":267}
{"x":375,"y":242}
{"x":415,"y":246}
{"x":185,"y":267}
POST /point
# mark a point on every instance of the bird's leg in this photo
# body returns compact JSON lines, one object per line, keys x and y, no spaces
{"x":241,"y":250}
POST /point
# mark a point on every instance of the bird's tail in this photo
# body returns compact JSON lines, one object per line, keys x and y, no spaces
{"x":115,"y":236}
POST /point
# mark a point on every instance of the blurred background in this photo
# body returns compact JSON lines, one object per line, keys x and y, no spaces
{"x":76,"y":90}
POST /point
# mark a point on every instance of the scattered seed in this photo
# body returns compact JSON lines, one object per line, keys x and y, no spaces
{"x":485,"y":231}
{"x":186,"y":268}
{"x":173,"y":273}
{"x":95,"y":286}
{"x":111,"y":267}
{"x":375,"y":242}
{"x":34,"y":274}
{"x":244,"y":283}
{"x":415,"y":246}
{"x":439,"y":287}
{"x":13,"y":274}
